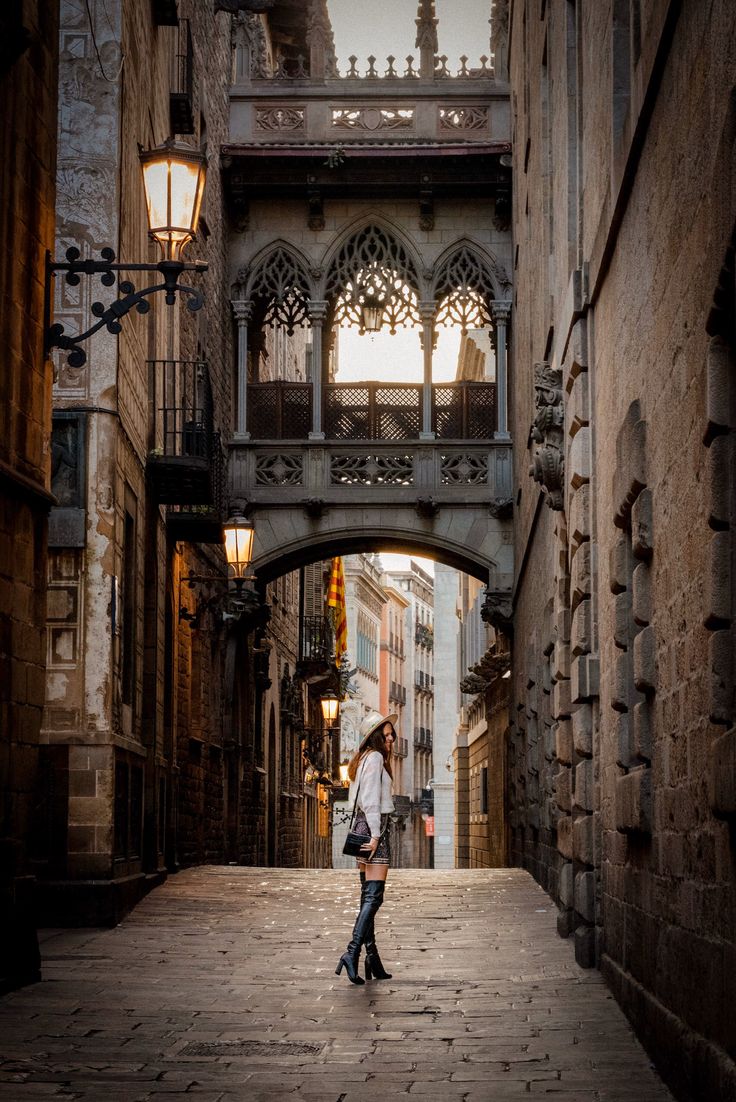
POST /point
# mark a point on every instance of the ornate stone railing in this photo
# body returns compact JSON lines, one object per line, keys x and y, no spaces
{"x":348,"y":111}
{"x":372,"y":411}
{"x":315,"y":473}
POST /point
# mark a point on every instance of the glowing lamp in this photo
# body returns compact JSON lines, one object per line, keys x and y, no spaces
{"x":173,"y":177}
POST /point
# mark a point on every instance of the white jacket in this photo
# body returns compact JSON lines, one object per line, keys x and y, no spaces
{"x":374,"y":797}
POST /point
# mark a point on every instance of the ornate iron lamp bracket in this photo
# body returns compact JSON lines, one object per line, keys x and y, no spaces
{"x":110,"y":316}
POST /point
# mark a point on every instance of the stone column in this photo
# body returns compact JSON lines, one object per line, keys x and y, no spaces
{"x":242,"y":309}
{"x":317,"y":314}
{"x":427,"y":311}
{"x":501,"y":312}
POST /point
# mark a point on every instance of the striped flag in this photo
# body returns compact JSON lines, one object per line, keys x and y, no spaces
{"x":336,"y":600}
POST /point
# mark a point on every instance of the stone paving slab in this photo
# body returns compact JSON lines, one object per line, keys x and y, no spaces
{"x":221,"y":986}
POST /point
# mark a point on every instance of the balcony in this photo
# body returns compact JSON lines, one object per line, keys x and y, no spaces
{"x":422,"y":738}
{"x":202,"y":523}
{"x":181,"y":102}
{"x":182,"y":463}
{"x":372,"y":411}
{"x":316,"y":649}
{"x":423,"y":682}
{"x":401,"y":748}
{"x":397,"y":693}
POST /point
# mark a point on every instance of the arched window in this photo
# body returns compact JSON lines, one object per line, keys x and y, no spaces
{"x":373,"y":269}
{"x":281,"y":283}
{"x":463,"y":290}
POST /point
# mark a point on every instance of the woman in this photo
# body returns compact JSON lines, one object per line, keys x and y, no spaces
{"x":370,"y":794}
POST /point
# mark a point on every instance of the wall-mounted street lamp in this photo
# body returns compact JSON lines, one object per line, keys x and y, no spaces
{"x":238,"y":532}
{"x":344,"y":776}
{"x":330,"y":705}
{"x":238,"y":542}
{"x":173,"y":177}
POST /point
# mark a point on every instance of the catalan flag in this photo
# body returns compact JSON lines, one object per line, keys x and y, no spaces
{"x":336,"y":600}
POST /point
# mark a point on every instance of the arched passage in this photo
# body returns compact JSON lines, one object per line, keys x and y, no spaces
{"x":310,"y":548}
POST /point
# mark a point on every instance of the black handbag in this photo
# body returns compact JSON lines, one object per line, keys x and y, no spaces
{"x":354,"y":842}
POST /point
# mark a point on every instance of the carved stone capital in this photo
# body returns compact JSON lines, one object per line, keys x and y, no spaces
{"x":427,"y":310}
{"x":317,"y":311}
{"x":242,"y":310}
{"x":547,"y":431}
{"x":501,"y":310}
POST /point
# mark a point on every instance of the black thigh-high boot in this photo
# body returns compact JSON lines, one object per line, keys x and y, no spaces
{"x":371,"y":901}
{"x":373,"y":965}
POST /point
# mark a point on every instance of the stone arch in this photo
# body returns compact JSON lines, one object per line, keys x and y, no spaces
{"x":373,"y":258}
{"x":279,"y":277}
{"x":466,"y":279}
{"x":308,"y":547}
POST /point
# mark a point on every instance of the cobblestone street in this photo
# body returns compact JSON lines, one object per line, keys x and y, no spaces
{"x":222,"y":985}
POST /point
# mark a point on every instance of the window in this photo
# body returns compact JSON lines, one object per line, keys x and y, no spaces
{"x":129,"y":572}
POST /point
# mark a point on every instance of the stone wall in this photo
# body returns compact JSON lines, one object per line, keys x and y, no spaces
{"x":28,"y":84}
{"x":623,"y":361}
{"x":136,"y":654}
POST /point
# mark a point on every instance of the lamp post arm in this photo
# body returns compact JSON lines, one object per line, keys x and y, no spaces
{"x":110,"y":315}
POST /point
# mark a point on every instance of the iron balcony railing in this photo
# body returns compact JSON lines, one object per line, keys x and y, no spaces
{"x":423,"y":738}
{"x":372,"y":411}
{"x":317,"y":642}
{"x":181,"y":101}
{"x":182,"y":442}
{"x":397,"y":693}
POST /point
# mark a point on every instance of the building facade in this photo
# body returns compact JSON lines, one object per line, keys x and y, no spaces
{"x":416,"y":586}
{"x":621,"y":755}
{"x":28,"y":76}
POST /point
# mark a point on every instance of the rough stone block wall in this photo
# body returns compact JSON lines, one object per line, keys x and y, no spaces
{"x":27,"y":187}
{"x":629,"y":310}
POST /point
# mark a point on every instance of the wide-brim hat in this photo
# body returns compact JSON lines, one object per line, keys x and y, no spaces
{"x":373,"y":721}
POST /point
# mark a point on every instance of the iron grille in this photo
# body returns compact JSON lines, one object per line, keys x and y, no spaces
{"x":464,"y":411}
{"x":317,"y":639}
{"x":372,"y":411}
{"x":279,"y":411}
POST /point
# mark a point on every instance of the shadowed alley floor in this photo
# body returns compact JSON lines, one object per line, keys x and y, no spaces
{"x":222,"y":985}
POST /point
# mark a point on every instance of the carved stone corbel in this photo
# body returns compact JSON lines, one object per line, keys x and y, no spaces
{"x":548,"y":464}
{"x":501,"y":508}
{"x":427,"y":507}
{"x":315,"y":209}
{"x":498,"y":610}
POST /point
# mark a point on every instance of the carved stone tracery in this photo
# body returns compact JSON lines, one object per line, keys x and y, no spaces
{"x":373,"y":264}
{"x":548,"y":465}
{"x":282,"y":282}
{"x":472,"y":117}
{"x":464,"y":289}
{"x":372,"y":118}
{"x":279,"y":119}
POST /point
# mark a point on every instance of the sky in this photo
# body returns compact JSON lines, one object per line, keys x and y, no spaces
{"x":383,"y":27}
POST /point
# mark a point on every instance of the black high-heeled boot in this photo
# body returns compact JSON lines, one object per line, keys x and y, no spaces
{"x":372,"y":897}
{"x":373,"y":964}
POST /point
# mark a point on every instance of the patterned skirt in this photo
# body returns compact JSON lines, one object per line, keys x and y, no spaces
{"x":382,"y":856}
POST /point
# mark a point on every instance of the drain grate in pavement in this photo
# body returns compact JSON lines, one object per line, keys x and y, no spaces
{"x":252,"y":1048}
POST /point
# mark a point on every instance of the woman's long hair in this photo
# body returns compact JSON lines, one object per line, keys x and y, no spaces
{"x":377,"y":741}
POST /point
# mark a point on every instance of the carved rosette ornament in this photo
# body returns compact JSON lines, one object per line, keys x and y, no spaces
{"x":548,"y":465}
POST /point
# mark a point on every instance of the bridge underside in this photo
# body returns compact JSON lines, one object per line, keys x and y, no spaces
{"x":466,"y":538}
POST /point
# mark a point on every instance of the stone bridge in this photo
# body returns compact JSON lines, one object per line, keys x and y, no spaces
{"x":311,"y":499}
